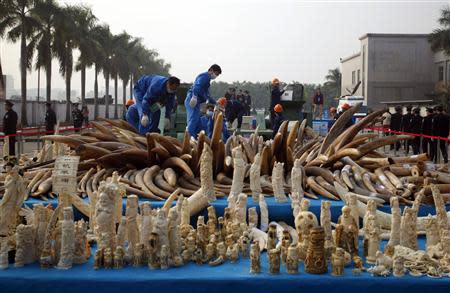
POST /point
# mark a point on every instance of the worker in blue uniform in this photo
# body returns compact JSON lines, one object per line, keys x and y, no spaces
{"x":207,"y":120}
{"x":132,"y":116}
{"x":275,"y":97}
{"x":277,"y":119}
{"x":198,"y":94}
{"x":153,"y":92}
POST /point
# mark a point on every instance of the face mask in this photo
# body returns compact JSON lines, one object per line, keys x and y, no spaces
{"x":209,"y":113}
{"x":213,"y":76}
{"x":171,"y":91}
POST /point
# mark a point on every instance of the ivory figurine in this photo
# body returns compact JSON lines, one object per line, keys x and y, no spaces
{"x":67,"y":240}
{"x":104,"y":214}
{"x":138,"y":256}
{"x":255,"y":174}
{"x":432,"y":232}
{"x":108,"y":261}
{"x":164,"y":257}
{"x":221,"y":255}
{"x":244,"y":244}
{"x":153,"y":252}
{"x":272,"y":237}
{"x":118,"y":195}
{"x":264,"y":213}
{"x":441,"y":213}
{"x":325,"y":222}
{"x":12,"y":200}
{"x":119,"y":254}
{"x":210,"y":252}
{"x":315,"y":262}
{"x":352,"y":202}
{"x":370,"y":211}
{"x":198,"y":256}
{"x":337,"y":262}
{"x":233,"y":253}
{"x":241,"y":208}
{"x":394,"y":237}
{"x":274,"y":261}
{"x":382,"y":266}
{"x":286,"y":241}
{"x":4,"y":249}
{"x":349,"y":237}
{"x":304,"y":222}
{"x":252,"y":217}
{"x":98,"y":259}
{"x":160,"y":228}
{"x":292,"y":260}
{"x":278,"y":183}
{"x":121,"y":233}
{"x":297,"y":180}
{"x":408,"y":232}
{"x":175,"y":245}
{"x":185,"y":213}
{"x":81,"y":254}
{"x":398,"y":267}
{"x":40,"y":223}
{"x":131,"y":214}
{"x":304,"y":205}
{"x":295,"y":204}
{"x":255,"y":258}
{"x":373,"y":242}
{"x":445,"y":241}
{"x":25,"y":247}
{"x":238,"y":171}
{"x":146,"y":223}
{"x":212,"y":220}
{"x":202,"y":237}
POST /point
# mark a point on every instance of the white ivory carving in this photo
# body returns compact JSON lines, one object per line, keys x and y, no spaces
{"x":278,"y":183}
{"x":146,"y":223}
{"x":408,"y":231}
{"x":244,"y":244}
{"x":259,"y":236}
{"x":348,"y":239}
{"x":373,"y":241}
{"x":304,"y":205}
{"x":238,"y":171}
{"x":233,"y":253}
{"x":119,"y":254}
{"x":4,"y":248}
{"x":81,"y":254}
{"x":352,"y":202}
{"x":272,"y":238}
{"x":325,"y":222}
{"x":292,"y":260}
{"x":212,"y":220}
{"x":304,"y":222}
{"x":264,"y":213}
{"x":255,"y":258}
{"x":295,"y":203}
{"x":104,"y":214}
{"x":274,"y":261}
{"x":132,"y":229}
{"x":175,"y":243}
{"x":185,"y":213}
{"x":441,"y":214}
{"x":108,"y":260}
{"x":241,"y":208}
{"x":370,"y":211}
{"x":164,"y":257}
{"x":40,"y":224}
{"x":121,"y":233}
{"x":252,"y":217}
{"x":12,"y":200}
{"x":394,"y":238}
{"x":297,"y":180}
{"x":432,"y":232}
{"x":255,"y":175}
{"x":161,"y":229}
{"x":398,"y":268}
{"x":337,"y":262}
{"x":25,"y":248}
{"x":118,"y":195}
{"x":67,"y":240}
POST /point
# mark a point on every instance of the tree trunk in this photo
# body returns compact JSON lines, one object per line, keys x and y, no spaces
{"x":96,"y":93}
{"x":2,"y":83}
{"x":116,"y":106}
{"x":131,"y":86}
{"x":23,"y":77}
{"x":107,"y":94}
{"x":124,"y":96}
{"x":69,"y":68}
{"x":48,"y":79}
{"x":83,"y":85}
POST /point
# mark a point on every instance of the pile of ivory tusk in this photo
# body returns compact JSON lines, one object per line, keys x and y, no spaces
{"x":294,"y":161}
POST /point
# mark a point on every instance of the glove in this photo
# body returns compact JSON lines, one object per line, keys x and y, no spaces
{"x":166,"y":123}
{"x":144,"y":120}
{"x":193,"y":102}
{"x":155,"y":107}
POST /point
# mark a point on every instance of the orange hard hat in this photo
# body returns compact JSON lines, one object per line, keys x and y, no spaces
{"x":333,"y":110}
{"x":345,"y":106}
{"x":275,"y":81}
{"x":130,"y":102}
{"x":278,"y":108}
{"x":222,"y":101}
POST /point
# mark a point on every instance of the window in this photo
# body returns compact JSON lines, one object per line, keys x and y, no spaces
{"x":353,"y":77}
{"x":359,"y":75}
{"x":440,"y":73}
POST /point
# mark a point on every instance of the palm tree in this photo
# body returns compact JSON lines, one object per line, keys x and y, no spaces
{"x":16,"y":15}
{"x":118,"y":62}
{"x":46,"y":12}
{"x":333,"y":83}
{"x":87,"y":44}
{"x":440,"y":38}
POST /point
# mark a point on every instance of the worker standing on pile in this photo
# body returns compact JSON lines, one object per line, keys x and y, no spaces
{"x":406,"y":126}
{"x":10,"y":127}
{"x":278,"y":118}
{"x":396,"y":124}
{"x":441,"y":129}
{"x":275,"y":98}
{"x":317,"y":102}
{"x":77,"y":117}
{"x":416,"y":128}
{"x":198,"y":94}
{"x":427,"y":129}
{"x":50,"y":119}
{"x":152,"y":92}
{"x":207,"y":120}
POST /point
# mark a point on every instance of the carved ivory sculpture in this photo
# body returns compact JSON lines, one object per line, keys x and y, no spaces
{"x":252,"y":217}
{"x":264,"y":213}
{"x":272,"y":237}
{"x":297,"y":179}
{"x":408,"y":233}
{"x":325,"y":222}
{"x":12,"y":200}
{"x":432,"y":232}
{"x":104,"y":215}
{"x":146,"y":223}
{"x":121,"y":233}
{"x":244,"y":244}
{"x":441,"y":214}
{"x":212,"y":220}
{"x":295,"y":203}
{"x":371,"y":211}
{"x":398,"y":268}
{"x":292,"y":260}
{"x":118,"y":195}
{"x":241,"y":208}
{"x":40,"y":224}
{"x":238,"y":172}
{"x":274,"y":261}
{"x":352,"y":202}
{"x":4,"y":248}
{"x":304,"y":222}
{"x":255,"y":258}
{"x":255,"y":174}
{"x":394,"y":238}
{"x":81,"y":254}
{"x":175,"y":243}
{"x":382,"y":266}
{"x":160,"y":228}
{"x":315,"y":262}
{"x":67,"y":240}
{"x":373,"y":242}
{"x":348,"y":239}
{"x":278,"y":183}
{"x":338,"y":262}
{"x":25,"y":247}
{"x":131,"y":214}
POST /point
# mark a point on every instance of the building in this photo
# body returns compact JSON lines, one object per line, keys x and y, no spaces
{"x":393,"y":67}
{"x":9,"y":86}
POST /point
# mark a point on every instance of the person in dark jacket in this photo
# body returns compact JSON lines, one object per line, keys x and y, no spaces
{"x":427,"y":129}
{"x":247,"y":103}
{"x":406,"y":126}
{"x":236,"y":110}
{"x":77,"y":117}
{"x":344,"y":108}
{"x":317,"y":102}
{"x":396,"y":124}
{"x":10,"y":126}
{"x":275,"y":98}
{"x":278,"y":119}
{"x":441,"y":129}
{"x":416,"y":128}
{"x":50,"y":119}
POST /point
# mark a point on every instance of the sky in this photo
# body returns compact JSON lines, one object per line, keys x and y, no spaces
{"x":252,"y":40}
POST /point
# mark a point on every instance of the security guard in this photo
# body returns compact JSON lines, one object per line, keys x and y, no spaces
{"x":77,"y":117}
{"x":416,"y":128}
{"x":396,"y":124}
{"x":406,"y":126}
{"x":10,"y":126}
{"x":441,"y":129}
{"x":50,"y":119}
{"x":427,"y":129}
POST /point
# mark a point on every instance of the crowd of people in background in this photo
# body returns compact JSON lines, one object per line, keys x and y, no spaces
{"x":239,"y":104}
{"x":434,"y":124}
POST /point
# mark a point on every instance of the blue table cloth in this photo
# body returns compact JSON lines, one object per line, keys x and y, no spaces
{"x":194,"y":278}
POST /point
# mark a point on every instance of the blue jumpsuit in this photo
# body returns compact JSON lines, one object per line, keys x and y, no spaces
{"x":132,"y":116}
{"x":148,"y":91}
{"x":200,"y":89}
{"x":207,"y":124}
